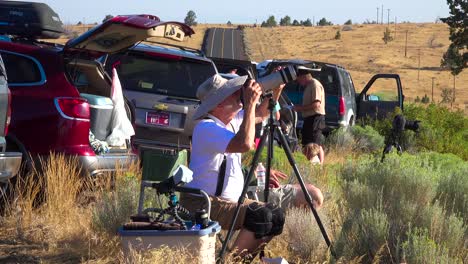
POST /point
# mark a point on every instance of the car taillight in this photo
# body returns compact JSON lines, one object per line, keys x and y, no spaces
{"x":72,"y":107}
{"x":342,"y":106}
{"x":8,"y":116}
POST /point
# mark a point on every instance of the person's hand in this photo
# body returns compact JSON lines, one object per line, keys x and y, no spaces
{"x":252,"y":92}
{"x":275,"y":177}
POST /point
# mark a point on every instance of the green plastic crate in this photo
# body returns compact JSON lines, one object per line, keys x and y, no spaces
{"x":159,"y":164}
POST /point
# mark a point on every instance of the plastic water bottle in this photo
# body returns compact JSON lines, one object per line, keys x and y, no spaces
{"x":261,"y":176}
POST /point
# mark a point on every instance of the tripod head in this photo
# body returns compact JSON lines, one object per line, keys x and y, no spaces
{"x":181,"y":175}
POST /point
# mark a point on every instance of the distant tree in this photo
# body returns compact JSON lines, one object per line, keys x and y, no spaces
{"x":191,"y":18}
{"x":338,"y":35}
{"x":270,"y":22}
{"x":79,"y":23}
{"x":285,"y":21}
{"x":296,"y":23}
{"x":425,"y":99}
{"x":229,"y":23}
{"x":307,"y":23}
{"x":387,"y":37}
{"x":324,"y":22}
{"x":107,"y":17}
{"x":447,"y":96}
{"x":349,"y":22}
{"x":453,"y":61}
{"x":458,"y":23}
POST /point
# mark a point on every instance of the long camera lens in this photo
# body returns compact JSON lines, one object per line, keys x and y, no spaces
{"x":277,"y":78}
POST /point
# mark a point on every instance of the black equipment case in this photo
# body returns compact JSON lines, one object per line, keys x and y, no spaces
{"x":31,"y":20}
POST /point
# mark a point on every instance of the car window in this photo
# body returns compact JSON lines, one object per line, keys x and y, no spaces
{"x":329,"y":78}
{"x":346,"y":83}
{"x":21,"y":69}
{"x":173,"y":77}
{"x":383,"y":89}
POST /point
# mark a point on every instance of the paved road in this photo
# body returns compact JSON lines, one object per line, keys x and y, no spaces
{"x":224,"y":43}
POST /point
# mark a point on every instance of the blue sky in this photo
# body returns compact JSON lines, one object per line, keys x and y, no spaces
{"x":243,"y":11}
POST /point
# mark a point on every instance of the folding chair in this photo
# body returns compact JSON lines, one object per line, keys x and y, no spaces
{"x":158,"y":165}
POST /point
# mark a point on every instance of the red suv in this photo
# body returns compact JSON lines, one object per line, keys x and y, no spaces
{"x":58,"y":92}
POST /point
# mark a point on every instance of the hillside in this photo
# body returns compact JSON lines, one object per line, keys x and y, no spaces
{"x":360,"y":50}
{"x":363,"y":52}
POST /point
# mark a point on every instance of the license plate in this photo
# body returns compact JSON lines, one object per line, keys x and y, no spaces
{"x":159,"y":118}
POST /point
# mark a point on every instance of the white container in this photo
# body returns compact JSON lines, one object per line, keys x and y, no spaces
{"x":200,"y":243}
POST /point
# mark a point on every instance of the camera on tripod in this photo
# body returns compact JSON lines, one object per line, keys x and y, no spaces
{"x":275,"y":79}
{"x":400,"y":124}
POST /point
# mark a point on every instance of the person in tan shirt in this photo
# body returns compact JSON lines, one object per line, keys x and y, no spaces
{"x":312,"y":108}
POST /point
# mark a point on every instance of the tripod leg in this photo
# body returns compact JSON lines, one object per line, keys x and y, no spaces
{"x":293,"y":164}
{"x":242,"y":196}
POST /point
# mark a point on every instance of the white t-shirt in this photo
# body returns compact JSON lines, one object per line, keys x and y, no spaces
{"x":209,"y":142}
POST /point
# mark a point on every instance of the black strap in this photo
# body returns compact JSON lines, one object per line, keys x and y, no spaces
{"x":222,"y":169}
{"x":221,"y":175}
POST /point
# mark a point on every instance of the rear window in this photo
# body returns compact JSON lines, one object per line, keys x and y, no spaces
{"x":176,"y":76}
{"x":328,"y":77}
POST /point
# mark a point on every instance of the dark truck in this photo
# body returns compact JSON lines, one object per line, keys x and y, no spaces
{"x":343,"y":106}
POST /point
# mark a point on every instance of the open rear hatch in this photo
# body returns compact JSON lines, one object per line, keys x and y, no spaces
{"x":122,"y":32}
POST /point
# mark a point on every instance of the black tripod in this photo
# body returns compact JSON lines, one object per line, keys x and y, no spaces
{"x":268,"y":132}
{"x":394,"y":141}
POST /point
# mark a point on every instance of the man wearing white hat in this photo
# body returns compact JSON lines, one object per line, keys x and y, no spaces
{"x":222,"y":134}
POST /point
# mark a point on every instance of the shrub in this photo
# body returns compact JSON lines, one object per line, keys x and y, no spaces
{"x":340,"y":139}
{"x":367,"y":139}
{"x":116,"y":206}
{"x":421,"y":249}
{"x":384,"y":202}
{"x":338,"y":35}
{"x":387,"y":36}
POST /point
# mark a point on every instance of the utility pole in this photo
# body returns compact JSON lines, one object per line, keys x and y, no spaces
{"x":377,"y":16}
{"x":419,"y":62}
{"x":433,"y":89}
{"x":395,"y":28}
{"x":406,"y":42}
{"x":381,"y":18}
{"x":388,"y":17}
{"x":313,"y":21}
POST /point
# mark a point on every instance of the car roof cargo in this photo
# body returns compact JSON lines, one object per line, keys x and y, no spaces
{"x":31,"y":20}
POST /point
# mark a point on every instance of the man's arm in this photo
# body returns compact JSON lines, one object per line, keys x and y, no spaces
{"x":243,"y":141}
{"x":262,"y":110}
{"x":315,"y":105}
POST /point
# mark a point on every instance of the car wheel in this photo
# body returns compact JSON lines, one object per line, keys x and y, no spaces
{"x":352,"y":121}
{"x":128,"y":110}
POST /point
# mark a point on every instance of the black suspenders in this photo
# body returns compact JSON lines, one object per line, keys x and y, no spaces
{"x":222,"y":170}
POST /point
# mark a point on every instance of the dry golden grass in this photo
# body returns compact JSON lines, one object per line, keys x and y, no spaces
{"x":363,"y":52}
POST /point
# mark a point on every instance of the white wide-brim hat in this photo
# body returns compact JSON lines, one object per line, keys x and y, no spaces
{"x":214,"y":90}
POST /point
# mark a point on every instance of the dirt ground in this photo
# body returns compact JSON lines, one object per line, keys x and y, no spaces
{"x":17,"y":250}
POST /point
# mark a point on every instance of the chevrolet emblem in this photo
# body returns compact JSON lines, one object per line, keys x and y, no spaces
{"x":160,"y":106}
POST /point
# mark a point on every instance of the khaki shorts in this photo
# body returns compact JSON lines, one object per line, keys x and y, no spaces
{"x":223,"y":211}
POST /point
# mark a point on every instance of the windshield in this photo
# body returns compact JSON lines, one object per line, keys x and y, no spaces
{"x":160,"y":74}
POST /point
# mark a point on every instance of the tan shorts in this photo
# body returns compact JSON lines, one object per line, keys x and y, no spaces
{"x":223,"y":211}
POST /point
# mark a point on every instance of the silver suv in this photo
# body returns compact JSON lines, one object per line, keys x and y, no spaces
{"x":160,"y":84}
{"x":9,"y":161}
